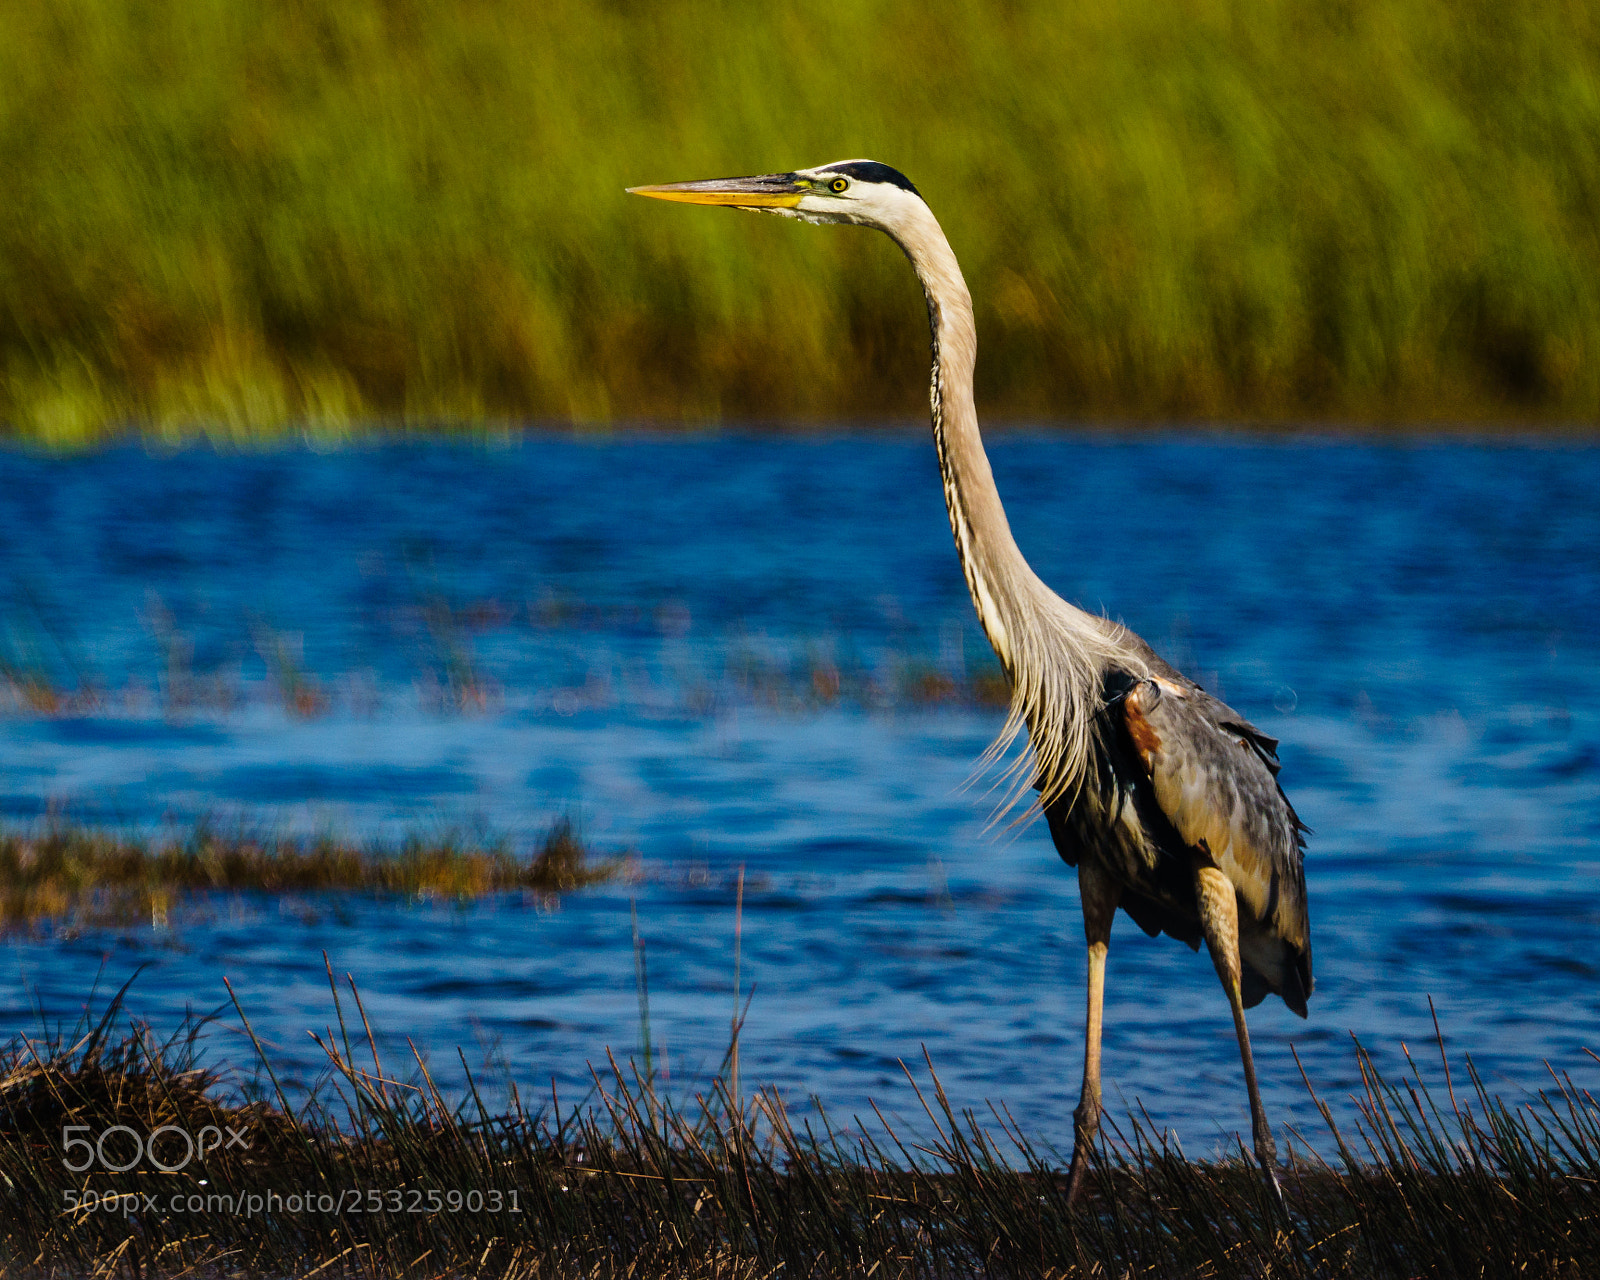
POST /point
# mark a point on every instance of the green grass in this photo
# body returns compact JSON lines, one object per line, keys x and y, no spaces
{"x":1434,"y":1177}
{"x":245,"y":219}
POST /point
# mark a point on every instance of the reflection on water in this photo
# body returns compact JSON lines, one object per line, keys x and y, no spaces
{"x":759,"y":653}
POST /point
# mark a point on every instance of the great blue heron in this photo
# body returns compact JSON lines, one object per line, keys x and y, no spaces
{"x":1166,"y":800}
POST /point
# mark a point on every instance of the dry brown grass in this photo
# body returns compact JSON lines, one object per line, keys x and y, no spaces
{"x":1443,"y":1181}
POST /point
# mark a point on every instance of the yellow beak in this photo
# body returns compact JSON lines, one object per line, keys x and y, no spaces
{"x":769,"y":191}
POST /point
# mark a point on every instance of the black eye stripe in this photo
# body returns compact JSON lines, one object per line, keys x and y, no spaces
{"x":872,"y":171}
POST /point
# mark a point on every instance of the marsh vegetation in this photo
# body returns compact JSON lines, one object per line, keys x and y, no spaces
{"x":378,"y":1173}
{"x":242,"y":220}
{"x":69,"y":876}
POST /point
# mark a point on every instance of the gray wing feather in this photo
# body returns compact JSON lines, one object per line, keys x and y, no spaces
{"x":1214,"y":776}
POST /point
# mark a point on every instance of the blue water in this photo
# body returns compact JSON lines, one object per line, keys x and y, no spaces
{"x":431,"y":637}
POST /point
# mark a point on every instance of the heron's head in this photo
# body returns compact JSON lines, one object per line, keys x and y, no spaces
{"x":860,"y":191}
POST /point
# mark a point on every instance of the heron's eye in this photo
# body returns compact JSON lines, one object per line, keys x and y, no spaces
{"x":838,"y":185}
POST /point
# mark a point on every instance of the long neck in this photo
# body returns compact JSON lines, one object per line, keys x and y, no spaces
{"x":1053,"y":652}
{"x":995,"y":569}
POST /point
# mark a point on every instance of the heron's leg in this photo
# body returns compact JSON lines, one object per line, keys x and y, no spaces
{"x":1219,"y":919}
{"x":1100,"y":894}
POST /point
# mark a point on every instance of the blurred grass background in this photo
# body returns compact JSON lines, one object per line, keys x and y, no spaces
{"x":239,"y":218}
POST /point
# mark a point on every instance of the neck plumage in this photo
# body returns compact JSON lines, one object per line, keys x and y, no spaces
{"x":994,"y":565}
{"x":1053,"y":653}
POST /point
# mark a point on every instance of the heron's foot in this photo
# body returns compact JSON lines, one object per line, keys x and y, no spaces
{"x":1086,"y":1124}
{"x":1075,"y":1175}
{"x":1277,"y":1193}
{"x":1267,"y":1158}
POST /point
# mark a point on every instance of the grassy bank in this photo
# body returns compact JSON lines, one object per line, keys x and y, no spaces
{"x":237,"y":217}
{"x":381,"y":1175}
